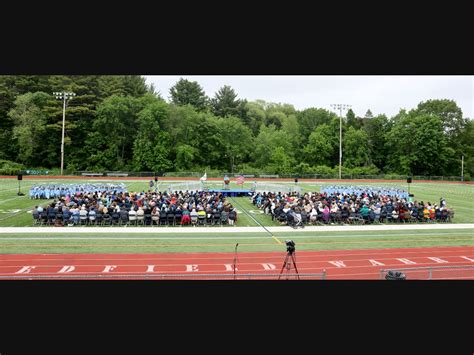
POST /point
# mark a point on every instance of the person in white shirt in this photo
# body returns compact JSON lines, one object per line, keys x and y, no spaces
{"x":132,"y":215}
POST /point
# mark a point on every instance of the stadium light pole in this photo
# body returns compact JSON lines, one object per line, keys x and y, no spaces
{"x":340,"y":107}
{"x":462,"y":167}
{"x":63,"y":96}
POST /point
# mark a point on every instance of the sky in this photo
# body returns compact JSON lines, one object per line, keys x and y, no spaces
{"x":379,"y":93}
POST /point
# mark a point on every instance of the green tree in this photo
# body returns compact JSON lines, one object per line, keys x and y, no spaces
{"x":267,"y":141}
{"x":236,"y":140}
{"x":290,"y":125}
{"x":320,"y":147}
{"x":453,"y":127}
{"x":416,"y":144}
{"x":206,"y":137}
{"x":152,"y":144}
{"x":466,"y":139}
{"x":198,"y":130}
{"x":275,"y":114}
{"x":225,"y":102}
{"x":180,"y":123}
{"x":376,"y":129}
{"x":152,"y":90}
{"x":275,"y":118}
{"x":255,"y":117}
{"x":311,"y":118}
{"x":91,"y":90}
{"x":80,"y":115}
{"x":110,"y":145}
{"x":186,"y":92}
{"x":368,"y":115}
{"x":448,"y":111}
{"x":29,"y":131}
{"x":135,"y":85}
{"x":356,"y":148}
{"x":23,"y":84}
{"x":242,"y":111}
{"x":11,"y":86}
{"x":280,"y":162}
{"x":7,"y":98}
{"x":108,"y":85}
{"x":121,"y":85}
{"x":185,"y":157}
{"x":352,"y":120}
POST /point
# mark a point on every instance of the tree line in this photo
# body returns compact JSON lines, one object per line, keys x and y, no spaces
{"x":121,"y":123}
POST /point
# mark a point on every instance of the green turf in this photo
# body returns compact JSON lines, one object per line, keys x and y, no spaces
{"x":14,"y":212}
{"x":14,"y":209}
{"x":203,"y":242}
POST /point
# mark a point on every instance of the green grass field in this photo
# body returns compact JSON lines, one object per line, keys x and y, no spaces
{"x":202,"y":242}
{"x":14,"y":213}
{"x":14,"y":209}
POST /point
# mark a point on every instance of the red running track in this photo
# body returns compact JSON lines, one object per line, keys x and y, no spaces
{"x":338,"y":264}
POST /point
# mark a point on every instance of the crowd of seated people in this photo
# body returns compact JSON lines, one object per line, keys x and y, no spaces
{"x":358,"y":207}
{"x":52,"y":191}
{"x":145,"y":208}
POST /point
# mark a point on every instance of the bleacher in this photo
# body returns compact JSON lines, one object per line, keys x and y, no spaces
{"x":92,"y":174}
{"x":117,"y":174}
{"x":269,"y":176}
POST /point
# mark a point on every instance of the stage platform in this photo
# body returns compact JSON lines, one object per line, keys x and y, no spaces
{"x":232,"y":192}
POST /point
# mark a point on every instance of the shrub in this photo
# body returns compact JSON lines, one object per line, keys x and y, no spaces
{"x":8,"y":167}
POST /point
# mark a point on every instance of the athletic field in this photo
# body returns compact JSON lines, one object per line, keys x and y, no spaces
{"x":338,"y":251}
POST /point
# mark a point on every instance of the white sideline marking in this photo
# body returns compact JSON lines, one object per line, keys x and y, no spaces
{"x":219,"y":230}
{"x":269,"y":266}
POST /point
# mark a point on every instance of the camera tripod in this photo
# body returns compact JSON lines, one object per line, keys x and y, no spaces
{"x":287,"y":265}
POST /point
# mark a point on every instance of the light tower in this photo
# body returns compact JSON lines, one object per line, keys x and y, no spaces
{"x":63,"y":96}
{"x":340,"y":107}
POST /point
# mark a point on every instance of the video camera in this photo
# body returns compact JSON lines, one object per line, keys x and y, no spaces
{"x":290,"y":246}
{"x":395,"y":275}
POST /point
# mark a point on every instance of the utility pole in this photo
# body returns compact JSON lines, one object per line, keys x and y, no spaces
{"x":462,"y":167}
{"x":340,"y":107}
